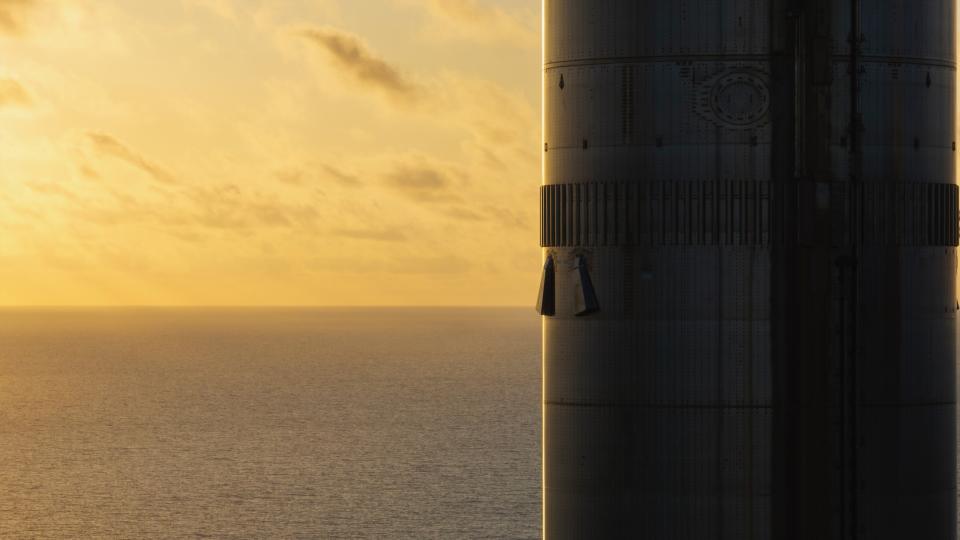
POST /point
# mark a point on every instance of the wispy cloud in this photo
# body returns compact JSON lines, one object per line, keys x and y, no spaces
{"x":463,"y":213}
{"x":421,"y":182}
{"x":227,"y":207}
{"x":110,"y":146}
{"x":187,"y":207}
{"x":506,"y":216}
{"x":410,"y":264}
{"x":380,"y":235}
{"x":341,"y":177}
{"x":478,"y":20}
{"x":12,"y":13}
{"x":88,"y":172}
{"x":487,"y":213}
{"x":312,"y":174}
{"x":291,"y":176}
{"x":356,"y":60}
{"x":224,"y":9}
{"x":50,"y":188}
{"x":12,"y":94}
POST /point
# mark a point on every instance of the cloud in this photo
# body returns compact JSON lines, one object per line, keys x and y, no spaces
{"x":417,"y":179}
{"x":296,"y":176}
{"x":50,"y":188}
{"x":293,"y":177}
{"x":355,"y":59}
{"x":462,"y":213}
{"x":421,"y":182}
{"x":341,"y":177}
{"x":479,"y":21}
{"x":227,"y":207}
{"x":88,"y":172}
{"x":440,"y":264}
{"x":506,"y":216}
{"x":498,"y":118}
{"x":12,"y":13}
{"x":221,"y":8}
{"x":489,"y":214}
{"x":12,"y":94}
{"x":381,"y":235}
{"x":110,"y":146}
{"x":406,"y":265}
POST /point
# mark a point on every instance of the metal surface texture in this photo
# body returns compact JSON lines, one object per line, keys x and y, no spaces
{"x":749,"y":223}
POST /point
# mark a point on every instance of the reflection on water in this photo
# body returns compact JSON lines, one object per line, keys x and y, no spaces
{"x":332,"y":423}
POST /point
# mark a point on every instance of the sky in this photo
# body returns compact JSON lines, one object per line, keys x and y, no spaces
{"x":269,"y":152}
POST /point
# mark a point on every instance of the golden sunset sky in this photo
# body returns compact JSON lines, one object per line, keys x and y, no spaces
{"x":269,"y":152}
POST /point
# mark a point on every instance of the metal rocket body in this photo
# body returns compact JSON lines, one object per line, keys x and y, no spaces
{"x":749,"y":219}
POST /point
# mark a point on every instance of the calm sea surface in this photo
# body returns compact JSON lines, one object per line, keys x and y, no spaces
{"x":275,"y":423}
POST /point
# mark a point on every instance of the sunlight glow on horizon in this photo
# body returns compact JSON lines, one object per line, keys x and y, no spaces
{"x":247,"y":152}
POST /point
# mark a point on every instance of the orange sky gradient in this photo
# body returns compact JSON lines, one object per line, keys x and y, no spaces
{"x":255,"y":152}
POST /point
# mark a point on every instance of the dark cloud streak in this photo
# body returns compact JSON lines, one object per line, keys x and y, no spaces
{"x":341,"y":177}
{"x":110,"y":146}
{"x":12,"y":13}
{"x":421,"y":183}
{"x":382,"y":235}
{"x":354,"y":57}
{"x":12,"y":94}
{"x":227,"y":207}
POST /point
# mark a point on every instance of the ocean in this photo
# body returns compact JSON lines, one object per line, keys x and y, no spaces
{"x":269,"y":423}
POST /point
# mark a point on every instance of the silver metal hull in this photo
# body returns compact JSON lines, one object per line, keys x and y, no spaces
{"x":763,"y":212}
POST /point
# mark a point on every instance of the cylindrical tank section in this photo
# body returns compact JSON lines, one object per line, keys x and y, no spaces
{"x":749,"y":223}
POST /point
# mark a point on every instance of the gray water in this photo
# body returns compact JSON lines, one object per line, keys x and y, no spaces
{"x":269,"y":423}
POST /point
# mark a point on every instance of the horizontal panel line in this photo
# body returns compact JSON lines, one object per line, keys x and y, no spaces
{"x":763,"y":57}
{"x":691,"y":406}
{"x":701,"y":406}
{"x":903,"y":60}
{"x":654,"y":144}
{"x":758,"y":320}
{"x":907,"y":405}
{"x":722,"y":144}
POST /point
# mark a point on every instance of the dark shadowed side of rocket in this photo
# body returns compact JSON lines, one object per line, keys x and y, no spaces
{"x":749,"y":224}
